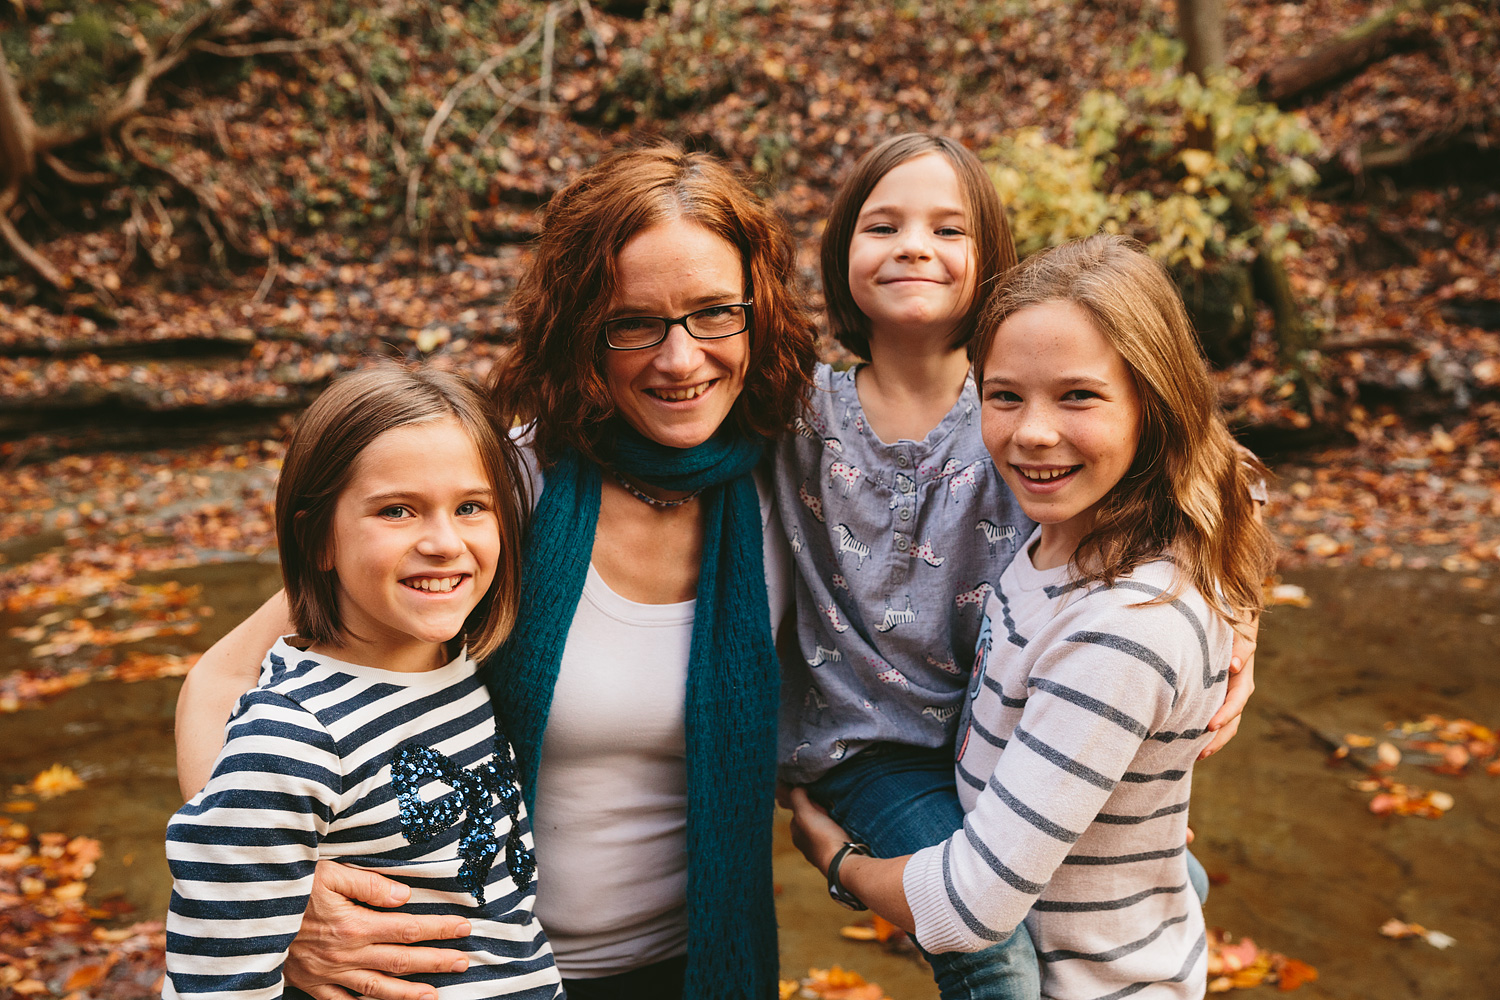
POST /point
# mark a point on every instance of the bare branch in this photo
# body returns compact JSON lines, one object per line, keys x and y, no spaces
{"x":134,"y":97}
{"x":23,"y":250}
{"x":586,"y":9}
{"x":413,"y":185}
{"x":166,"y":250}
{"x":215,"y":245}
{"x":273,"y":262}
{"x":280,"y":46}
{"x":513,"y":100}
{"x":549,"y":47}
{"x":80,"y":177}
{"x":221,"y":133}
{"x":208,"y":201}
{"x":165,"y":124}
{"x":450,"y":101}
{"x":132,"y":240}
{"x":372,"y":121}
{"x":195,"y":23}
{"x":357,"y":57}
{"x":371,"y":88}
{"x":429,"y":135}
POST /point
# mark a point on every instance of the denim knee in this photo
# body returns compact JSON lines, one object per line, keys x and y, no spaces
{"x":1004,"y":971}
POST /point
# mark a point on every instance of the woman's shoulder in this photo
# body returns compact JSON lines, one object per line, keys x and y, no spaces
{"x":524,"y":438}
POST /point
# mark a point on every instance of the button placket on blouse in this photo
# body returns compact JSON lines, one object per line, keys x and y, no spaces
{"x":906,"y":492}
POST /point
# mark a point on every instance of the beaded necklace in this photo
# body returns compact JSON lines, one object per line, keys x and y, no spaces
{"x":643,"y":498}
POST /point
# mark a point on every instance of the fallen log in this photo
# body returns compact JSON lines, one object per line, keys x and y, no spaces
{"x":1353,"y":50}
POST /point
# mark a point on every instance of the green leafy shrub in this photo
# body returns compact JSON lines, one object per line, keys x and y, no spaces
{"x":1180,"y":164}
{"x":686,"y":59}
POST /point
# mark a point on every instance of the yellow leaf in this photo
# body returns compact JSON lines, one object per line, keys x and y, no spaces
{"x":1197,"y":161}
{"x":56,"y":780}
{"x":858,"y":932}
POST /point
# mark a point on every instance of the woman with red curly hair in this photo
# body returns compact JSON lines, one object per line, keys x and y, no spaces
{"x":661,"y":347}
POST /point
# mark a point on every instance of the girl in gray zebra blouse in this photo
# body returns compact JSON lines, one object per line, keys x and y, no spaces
{"x":1105,"y":645}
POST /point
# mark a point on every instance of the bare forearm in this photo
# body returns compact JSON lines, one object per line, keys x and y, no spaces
{"x":227,"y":670}
{"x":878,"y":884}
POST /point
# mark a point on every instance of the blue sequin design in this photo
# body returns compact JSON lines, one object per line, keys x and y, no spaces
{"x":414,"y":765}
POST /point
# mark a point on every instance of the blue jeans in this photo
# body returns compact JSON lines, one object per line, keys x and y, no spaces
{"x":900,"y":799}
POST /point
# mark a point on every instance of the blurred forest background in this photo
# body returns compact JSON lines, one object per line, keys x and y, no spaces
{"x":209,"y":207}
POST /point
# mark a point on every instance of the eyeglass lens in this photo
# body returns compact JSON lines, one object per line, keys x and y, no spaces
{"x":705,"y":324}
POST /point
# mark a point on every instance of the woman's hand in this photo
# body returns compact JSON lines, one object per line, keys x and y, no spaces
{"x":814,"y":832}
{"x":876,"y":881}
{"x":345,"y":948}
{"x":1226,"y":721}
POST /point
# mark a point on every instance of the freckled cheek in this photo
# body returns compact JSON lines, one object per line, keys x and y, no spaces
{"x":996,"y":429}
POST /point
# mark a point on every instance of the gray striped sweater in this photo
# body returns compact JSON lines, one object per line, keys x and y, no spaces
{"x":1075,"y":754}
{"x":305,"y":774}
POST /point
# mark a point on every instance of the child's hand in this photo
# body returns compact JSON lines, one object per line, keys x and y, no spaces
{"x":346,"y":948}
{"x":814,"y":832}
{"x":1226,"y":721}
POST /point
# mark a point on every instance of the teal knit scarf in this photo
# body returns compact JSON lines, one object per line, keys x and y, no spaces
{"x":732,"y":688}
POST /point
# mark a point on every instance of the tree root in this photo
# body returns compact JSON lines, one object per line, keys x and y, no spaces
{"x":546,"y":34}
{"x":444,"y":109}
{"x":277,"y":46}
{"x":373,"y":91}
{"x":80,"y":178}
{"x":24,"y":142}
{"x":1348,"y":53}
{"x":208,"y":202}
{"x":24,"y":251}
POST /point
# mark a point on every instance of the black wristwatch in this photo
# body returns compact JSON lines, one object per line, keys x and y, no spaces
{"x":836,"y":889}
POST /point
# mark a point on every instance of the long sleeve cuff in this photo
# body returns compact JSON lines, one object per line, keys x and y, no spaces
{"x":939,"y":928}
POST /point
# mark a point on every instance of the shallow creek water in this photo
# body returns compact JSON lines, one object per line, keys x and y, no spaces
{"x":1305,"y":869}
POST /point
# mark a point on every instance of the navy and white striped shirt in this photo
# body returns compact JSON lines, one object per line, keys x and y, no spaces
{"x":305,"y":774}
{"x":1076,"y":748}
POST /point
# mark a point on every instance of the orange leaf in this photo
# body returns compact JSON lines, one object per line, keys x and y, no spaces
{"x":1294,"y":973}
{"x":85,"y":976}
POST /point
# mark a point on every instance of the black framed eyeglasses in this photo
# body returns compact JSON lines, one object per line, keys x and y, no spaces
{"x":634,"y":333}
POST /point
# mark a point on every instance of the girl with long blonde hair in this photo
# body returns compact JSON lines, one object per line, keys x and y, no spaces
{"x":1105,"y":646}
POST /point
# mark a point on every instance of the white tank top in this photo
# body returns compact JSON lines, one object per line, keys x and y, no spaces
{"x":611,"y":798}
{"x":610,"y":822}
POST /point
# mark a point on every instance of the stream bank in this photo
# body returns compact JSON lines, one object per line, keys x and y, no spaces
{"x":1304,"y":868}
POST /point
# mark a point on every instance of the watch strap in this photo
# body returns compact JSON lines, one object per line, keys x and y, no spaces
{"x":836,"y":889}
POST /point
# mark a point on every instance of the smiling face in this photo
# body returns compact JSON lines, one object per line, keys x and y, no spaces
{"x":678,"y":392}
{"x":415,"y":541}
{"x":1061,"y":418}
{"x":911,"y":258}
